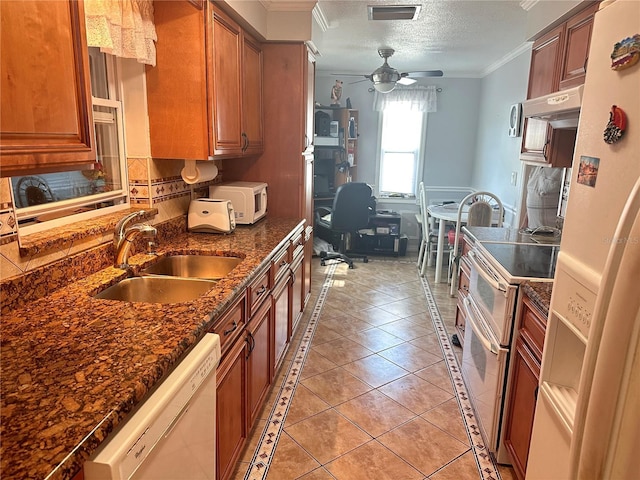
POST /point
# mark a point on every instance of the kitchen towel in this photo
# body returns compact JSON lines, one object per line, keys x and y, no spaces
{"x":194,"y":173}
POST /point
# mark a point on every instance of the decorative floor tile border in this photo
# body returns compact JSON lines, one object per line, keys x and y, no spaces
{"x":486,"y":466}
{"x":268,"y":442}
{"x":265,"y":449}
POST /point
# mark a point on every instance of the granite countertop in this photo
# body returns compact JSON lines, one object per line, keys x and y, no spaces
{"x":73,"y":366}
{"x":540,"y":294}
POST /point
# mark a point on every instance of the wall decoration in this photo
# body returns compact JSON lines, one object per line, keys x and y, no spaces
{"x":588,"y":170}
{"x":626,"y":53}
{"x":515,"y":120}
{"x":336,"y":93}
{"x":616,"y":126}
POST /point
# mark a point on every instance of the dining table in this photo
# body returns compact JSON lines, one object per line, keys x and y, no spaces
{"x":447,"y":213}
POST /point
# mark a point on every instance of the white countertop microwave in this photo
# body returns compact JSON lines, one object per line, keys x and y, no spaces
{"x":249,"y":199}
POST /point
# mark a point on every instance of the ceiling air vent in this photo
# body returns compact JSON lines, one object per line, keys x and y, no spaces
{"x":393,"y":12}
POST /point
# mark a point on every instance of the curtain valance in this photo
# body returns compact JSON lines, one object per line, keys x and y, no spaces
{"x":123,"y":28}
{"x":418,"y":99}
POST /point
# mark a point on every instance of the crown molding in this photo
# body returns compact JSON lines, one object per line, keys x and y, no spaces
{"x":526,"y":46}
{"x":321,"y":20}
{"x":528,"y":4}
{"x":289,"y":6}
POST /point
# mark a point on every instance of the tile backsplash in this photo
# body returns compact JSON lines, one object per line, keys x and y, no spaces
{"x":153,"y":183}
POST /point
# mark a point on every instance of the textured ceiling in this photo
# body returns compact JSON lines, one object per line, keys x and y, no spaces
{"x":460,"y":37}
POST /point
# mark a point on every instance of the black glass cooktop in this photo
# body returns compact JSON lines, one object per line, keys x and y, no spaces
{"x":526,"y":261}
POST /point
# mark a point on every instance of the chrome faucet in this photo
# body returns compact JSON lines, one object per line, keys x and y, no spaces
{"x":123,"y":237}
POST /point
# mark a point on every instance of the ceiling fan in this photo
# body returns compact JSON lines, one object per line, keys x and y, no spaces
{"x":384,"y":78}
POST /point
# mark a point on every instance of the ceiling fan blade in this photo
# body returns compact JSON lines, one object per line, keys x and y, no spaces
{"x":406,"y":81}
{"x":359,"y":81}
{"x":349,"y":75}
{"x":426,"y":73}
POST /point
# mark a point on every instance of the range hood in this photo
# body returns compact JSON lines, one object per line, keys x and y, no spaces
{"x":560,"y":109}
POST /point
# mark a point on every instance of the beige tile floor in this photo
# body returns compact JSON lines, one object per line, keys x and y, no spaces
{"x":375,"y":399}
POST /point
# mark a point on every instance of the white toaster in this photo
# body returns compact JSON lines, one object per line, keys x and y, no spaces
{"x":211,"y":215}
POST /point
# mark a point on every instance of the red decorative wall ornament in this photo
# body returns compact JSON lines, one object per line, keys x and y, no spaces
{"x":616,"y":126}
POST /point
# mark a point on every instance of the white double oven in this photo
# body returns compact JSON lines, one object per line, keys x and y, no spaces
{"x":497,"y":270}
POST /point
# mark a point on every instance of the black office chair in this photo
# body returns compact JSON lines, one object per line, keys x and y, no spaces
{"x":352,"y":206}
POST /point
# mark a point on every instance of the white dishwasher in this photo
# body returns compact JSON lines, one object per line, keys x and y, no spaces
{"x":172,"y":435}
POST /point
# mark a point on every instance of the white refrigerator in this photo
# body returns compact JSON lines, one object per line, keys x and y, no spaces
{"x":587,"y":420}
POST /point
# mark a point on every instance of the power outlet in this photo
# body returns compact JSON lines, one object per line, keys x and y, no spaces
{"x":514,"y":178}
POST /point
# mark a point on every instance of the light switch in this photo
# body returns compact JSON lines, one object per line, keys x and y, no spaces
{"x":514,"y":178}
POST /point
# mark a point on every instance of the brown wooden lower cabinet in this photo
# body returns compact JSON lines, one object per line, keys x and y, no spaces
{"x":281,"y":314}
{"x":258,"y":338}
{"x":262,"y":327}
{"x":522,"y":401}
{"x":306,"y":262}
{"x":297,"y":291}
{"x":231,"y":409}
{"x":523,"y":390}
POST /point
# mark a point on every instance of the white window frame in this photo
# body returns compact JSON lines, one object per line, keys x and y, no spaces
{"x":120,"y":196}
{"x":410,"y":199}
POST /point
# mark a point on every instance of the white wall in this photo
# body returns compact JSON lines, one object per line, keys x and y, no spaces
{"x":467,"y":138}
{"x":451,"y":131}
{"x":497,"y":155}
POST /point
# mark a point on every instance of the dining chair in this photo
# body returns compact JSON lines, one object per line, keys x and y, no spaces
{"x":428,"y":236}
{"x":482,"y":208}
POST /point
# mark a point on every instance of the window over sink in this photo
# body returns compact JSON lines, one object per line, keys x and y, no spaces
{"x":48,"y":200}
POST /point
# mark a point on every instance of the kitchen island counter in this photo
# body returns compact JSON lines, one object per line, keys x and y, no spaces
{"x":73,"y":366}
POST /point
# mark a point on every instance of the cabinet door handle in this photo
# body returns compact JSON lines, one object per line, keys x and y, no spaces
{"x":233,"y":329}
{"x":544,"y":149}
{"x":251,"y":343}
{"x":245,"y":142}
{"x":535,"y":392}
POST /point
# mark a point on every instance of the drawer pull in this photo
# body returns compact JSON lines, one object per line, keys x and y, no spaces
{"x":233,"y":329}
{"x":283,"y":263}
{"x":261,"y":290}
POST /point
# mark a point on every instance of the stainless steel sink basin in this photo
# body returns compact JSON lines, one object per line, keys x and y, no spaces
{"x":193,"y":266}
{"x":156,"y":289}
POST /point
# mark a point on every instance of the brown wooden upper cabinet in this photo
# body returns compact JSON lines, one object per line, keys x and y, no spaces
{"x":45,"y":111}
{"x":559,"y":58}
{"x":544,"y":144}
{"x":546,"y":56}
{"x":205,"y":93}
{"x":558,"y":61}
{"x":576,"y":50}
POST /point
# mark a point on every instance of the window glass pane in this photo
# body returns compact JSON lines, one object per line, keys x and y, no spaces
{"x":107,"y":169}
{"x":397,"y":172}
{"x":400,"y":144}
{"x":98,"y":71}
{"x":43,"y":197}
{"x":401,"y":130}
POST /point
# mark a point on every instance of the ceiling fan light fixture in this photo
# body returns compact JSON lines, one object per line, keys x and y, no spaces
{"x":384,"y":87}
{"x":406,"y":81}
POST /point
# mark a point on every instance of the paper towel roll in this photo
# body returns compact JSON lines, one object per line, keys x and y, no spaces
{"x":192,"y":173}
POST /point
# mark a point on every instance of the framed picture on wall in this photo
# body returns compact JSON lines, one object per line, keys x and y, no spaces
{"x":515,"y":119}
